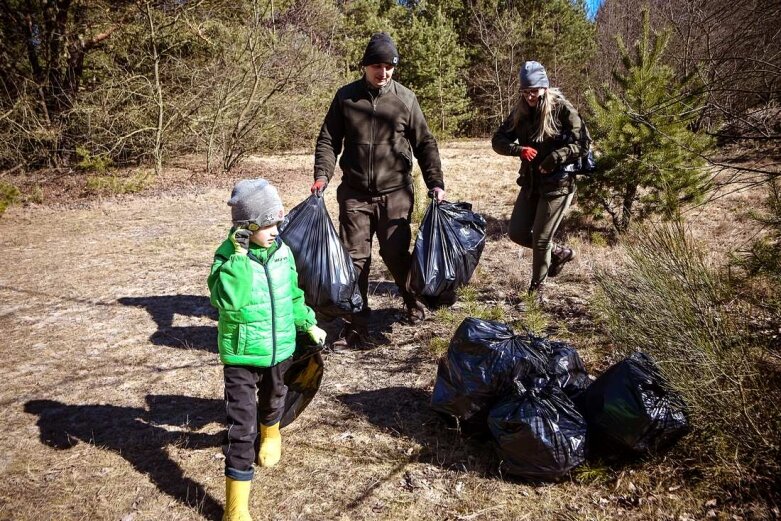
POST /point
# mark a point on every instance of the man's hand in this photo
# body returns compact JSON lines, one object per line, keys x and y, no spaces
{"x":319,"y":186}
{"x":240,"y":239}
{"x":438,"y":194}
{"x":528,"y":153}
{"x":316,"y":334}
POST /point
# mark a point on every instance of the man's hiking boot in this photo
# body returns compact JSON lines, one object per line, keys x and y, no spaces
{"x":351,"y":338}
{"x":415,"y":312}
{"x":560,"y":256}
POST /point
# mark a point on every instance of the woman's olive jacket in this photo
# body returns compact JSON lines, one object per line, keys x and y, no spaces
{"x":553,"y":153}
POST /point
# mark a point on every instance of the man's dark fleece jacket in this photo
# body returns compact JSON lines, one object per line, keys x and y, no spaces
{"x":380,"y":130}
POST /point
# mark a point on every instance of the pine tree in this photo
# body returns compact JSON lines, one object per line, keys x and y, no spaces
{"x":650,"y":160}
{"x":432,"y":66}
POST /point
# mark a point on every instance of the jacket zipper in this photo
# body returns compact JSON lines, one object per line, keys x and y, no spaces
{"x":273,"y":311}
{"x":372,"y":183}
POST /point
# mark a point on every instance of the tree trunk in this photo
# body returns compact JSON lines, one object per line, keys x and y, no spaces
{"x":625,"y":216}
{"x":158,"y":149}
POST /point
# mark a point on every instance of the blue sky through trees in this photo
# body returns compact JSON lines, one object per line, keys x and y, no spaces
{"x":591,"y":7}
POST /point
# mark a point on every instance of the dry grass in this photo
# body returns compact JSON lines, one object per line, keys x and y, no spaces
{"x":111,"y":405}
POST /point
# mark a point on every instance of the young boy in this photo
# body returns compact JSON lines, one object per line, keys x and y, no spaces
{"x":254,"y":285}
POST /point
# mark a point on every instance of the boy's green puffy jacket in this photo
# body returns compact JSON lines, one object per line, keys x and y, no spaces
{"x":260,"y":304}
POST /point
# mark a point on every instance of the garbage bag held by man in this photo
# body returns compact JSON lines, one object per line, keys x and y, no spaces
{"x":539,"y":435}
{"x":325,"y":269}
{"x":482,"y":363}
{"x":447,"y":249}
{"x":630,"y":408}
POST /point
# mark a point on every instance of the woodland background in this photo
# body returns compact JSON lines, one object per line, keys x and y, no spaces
{"x":98,"y":83}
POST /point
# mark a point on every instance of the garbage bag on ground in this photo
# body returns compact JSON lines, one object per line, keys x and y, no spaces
{"x":325,"y":269}
{"x":447,"y":249}
{"x":630,"y":408}
{"x":567,"y":369}
{"x":302,"y":378}
{"x":539,"y":434}
{"x":482,"y":363}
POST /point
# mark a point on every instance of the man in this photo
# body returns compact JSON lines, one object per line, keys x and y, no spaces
{"x":376,"y":125}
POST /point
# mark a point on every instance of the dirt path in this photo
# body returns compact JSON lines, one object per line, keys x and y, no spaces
{"x":111,"y":400}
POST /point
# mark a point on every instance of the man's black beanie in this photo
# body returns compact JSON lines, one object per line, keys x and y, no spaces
{"x":380,"y":49}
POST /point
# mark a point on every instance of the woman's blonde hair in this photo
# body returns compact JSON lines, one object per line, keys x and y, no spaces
{"x":547,"y":107}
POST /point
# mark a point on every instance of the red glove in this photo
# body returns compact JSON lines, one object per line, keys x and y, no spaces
{"x":318,"y":186}
{"x":528,"y":153}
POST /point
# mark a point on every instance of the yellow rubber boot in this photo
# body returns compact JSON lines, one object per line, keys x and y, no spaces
{"x":237,"y":500}
{"x":270,"y":445}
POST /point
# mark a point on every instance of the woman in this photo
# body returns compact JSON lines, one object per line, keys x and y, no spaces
{"x":546,"y":132}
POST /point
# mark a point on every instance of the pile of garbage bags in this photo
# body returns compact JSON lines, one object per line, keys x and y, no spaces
{"x":540,"y":406}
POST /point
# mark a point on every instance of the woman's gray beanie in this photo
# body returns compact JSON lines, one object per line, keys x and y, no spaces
{"x":533,"y":76}
{"x":255,"y":201}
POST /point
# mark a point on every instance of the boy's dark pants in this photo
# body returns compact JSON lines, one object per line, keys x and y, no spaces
{"x":253,"y":395}
{"x":361,"y":216}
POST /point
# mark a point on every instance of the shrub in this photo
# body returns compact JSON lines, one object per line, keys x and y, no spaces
{"x":114,"y":184}
{"x":8,"y":196}
{"x":670,"y":304}
{"x":761,"y":263}
{"x":93,"y":163}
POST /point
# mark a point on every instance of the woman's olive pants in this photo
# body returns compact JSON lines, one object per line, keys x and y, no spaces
{"x":533,"y":224}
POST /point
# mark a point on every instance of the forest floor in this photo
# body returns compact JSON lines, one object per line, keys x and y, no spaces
{"x":112,"y":402}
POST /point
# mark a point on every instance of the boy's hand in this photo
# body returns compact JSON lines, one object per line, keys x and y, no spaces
{"x":240,"y":239}
{"x":317,"y":334}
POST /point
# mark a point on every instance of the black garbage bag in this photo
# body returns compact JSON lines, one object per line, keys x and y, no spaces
{"x":567,"y":369}
{"x":539,"y":434}
{"x":447,"y":249}
{"x":302,"y":378}
{"x":630,"y":409}
{"x":325,"y":269}
{"x":482,"y":364}
{"x":531,"y":354}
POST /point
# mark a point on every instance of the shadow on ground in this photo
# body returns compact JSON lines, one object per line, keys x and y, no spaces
{"x":380,"y":325}
{"x":163,"y":308}
{"x":141,"y":437}
{"x":405,"y":412}
{"x":495,"y":228}
{"x":383,"y":288}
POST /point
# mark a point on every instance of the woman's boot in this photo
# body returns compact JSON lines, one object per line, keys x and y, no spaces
{"x":560,"y":255}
